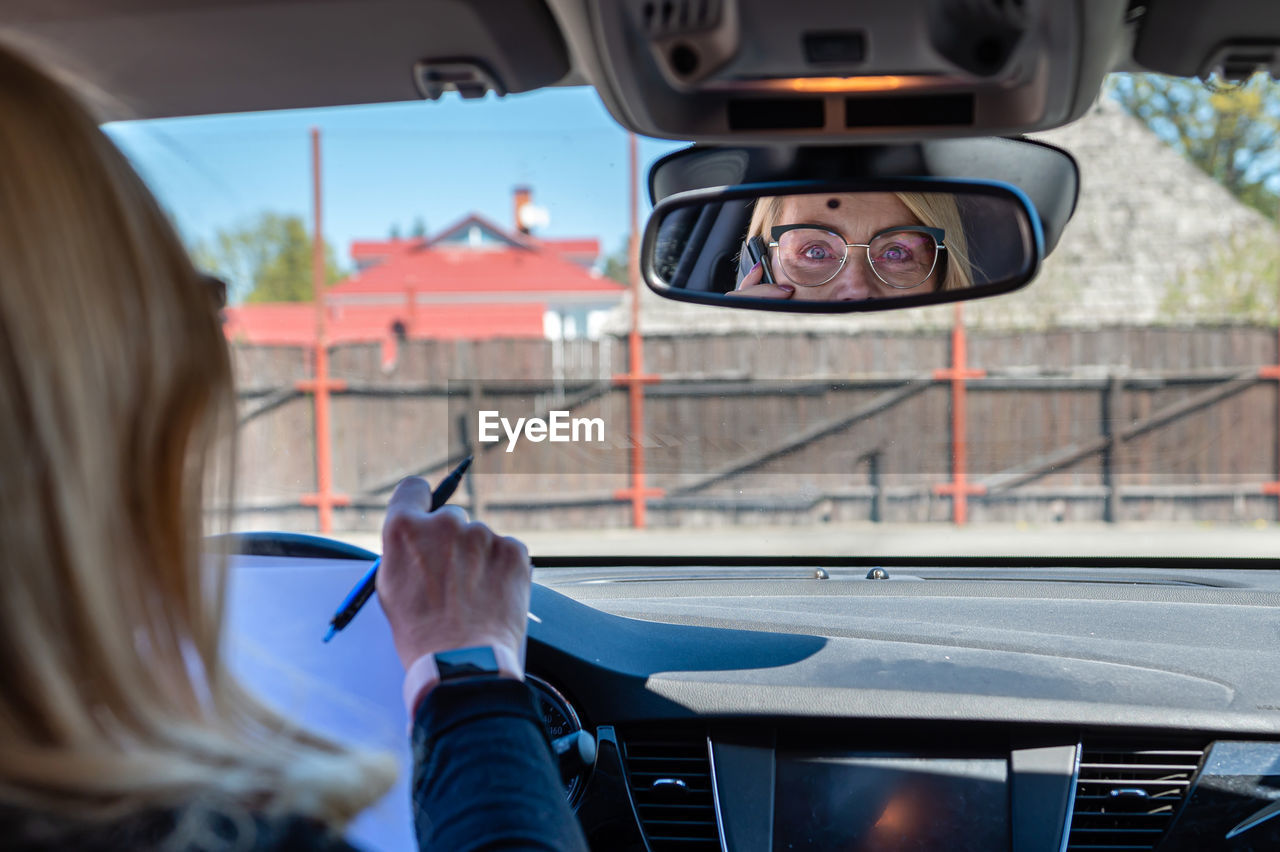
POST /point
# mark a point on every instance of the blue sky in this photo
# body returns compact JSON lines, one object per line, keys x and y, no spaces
{"x":394,"y":163}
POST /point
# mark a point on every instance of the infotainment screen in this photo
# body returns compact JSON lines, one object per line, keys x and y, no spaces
{"x":872,"y":803}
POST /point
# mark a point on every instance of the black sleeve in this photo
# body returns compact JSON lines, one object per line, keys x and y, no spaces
{"x":483,"y":774}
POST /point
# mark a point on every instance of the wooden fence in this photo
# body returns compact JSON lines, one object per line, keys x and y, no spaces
{"x":1117,"y":424}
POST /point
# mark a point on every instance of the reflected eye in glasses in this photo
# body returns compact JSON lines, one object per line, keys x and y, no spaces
{"x":902,"y":257}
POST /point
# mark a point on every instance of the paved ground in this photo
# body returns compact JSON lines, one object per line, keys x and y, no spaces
{"x":1192,"y":539}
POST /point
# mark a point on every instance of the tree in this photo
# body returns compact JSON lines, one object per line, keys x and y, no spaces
{"x":617,"y":265}
{"x":1237,"y":284}
{"x":265,"y":259}
{"x":419,"y":229}
{"x":1229,"y":131}
{"x":394,"y":232}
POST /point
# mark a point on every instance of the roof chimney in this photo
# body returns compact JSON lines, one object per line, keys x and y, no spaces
{"x":523,"y":197}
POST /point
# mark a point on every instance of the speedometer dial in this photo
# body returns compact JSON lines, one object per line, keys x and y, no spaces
{"x":560,"y":719}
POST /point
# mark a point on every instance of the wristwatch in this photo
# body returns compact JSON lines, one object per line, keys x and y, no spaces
{"x":430,"y":670}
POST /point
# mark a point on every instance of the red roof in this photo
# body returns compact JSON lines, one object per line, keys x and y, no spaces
{"x":383,"y":247}
{"x":473,"y":280}
{"x":580,"y":251}
{"x":503,"y":263}
{"x":515,"y":238}
{"x":379,"y":250}
{"x":464,"y":270}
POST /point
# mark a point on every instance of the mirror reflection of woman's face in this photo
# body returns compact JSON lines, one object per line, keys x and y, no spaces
{"x":858,"y":217}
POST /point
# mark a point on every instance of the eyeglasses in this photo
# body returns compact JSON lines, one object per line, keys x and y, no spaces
{"x":217,"y":289}
{"x":810,"y":255}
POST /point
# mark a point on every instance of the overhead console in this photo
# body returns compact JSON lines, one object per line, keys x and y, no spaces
{"x":740,"y":69}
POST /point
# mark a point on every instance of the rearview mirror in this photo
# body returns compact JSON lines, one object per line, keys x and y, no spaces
{"x":836,"y":247}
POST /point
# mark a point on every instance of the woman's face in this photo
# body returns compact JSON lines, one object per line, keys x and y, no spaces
{"x":858,"y":217}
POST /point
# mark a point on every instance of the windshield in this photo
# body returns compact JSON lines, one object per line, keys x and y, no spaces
{"x":478,"y":299}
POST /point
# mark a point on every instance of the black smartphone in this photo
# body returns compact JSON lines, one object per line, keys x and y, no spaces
{"x":756,"y":251}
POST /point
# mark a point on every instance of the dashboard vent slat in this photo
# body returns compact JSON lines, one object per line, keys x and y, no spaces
{"x":661,"y":19}
{"x":670,"y":780}
{"x":1127,"y":796}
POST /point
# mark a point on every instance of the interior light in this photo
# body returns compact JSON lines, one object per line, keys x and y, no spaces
{"x":830,"y":85}
{"x":885,"y":83}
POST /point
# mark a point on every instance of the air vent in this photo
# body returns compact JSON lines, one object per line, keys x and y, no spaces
{"x":1126,"y":797}
{"x":914,"y":111}
{"x":670,"y":782}
{"x":667,"y":18}
{"x":776,"y":114}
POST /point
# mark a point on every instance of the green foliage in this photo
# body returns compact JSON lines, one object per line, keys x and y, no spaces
{"x":419,"y":229}
{"x":617,"y":265}
{"x":265,"y":259}
{"x":1230,"y":132}
{"x":1238,"y":284}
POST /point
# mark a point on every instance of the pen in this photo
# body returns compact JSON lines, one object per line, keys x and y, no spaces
{"x":363,"y":590}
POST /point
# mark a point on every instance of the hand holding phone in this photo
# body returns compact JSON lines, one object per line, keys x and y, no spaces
{"x":756,"y":251}
{"x":758,"y":285}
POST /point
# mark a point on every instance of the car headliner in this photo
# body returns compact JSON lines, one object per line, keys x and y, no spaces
{"x":153,"y":58}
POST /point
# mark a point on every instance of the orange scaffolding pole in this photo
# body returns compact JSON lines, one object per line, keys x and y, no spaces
{"x":635,"y":378}
{"x":320,"y":385}
{"x":959,"y":488}
{"x":1272,"y":371}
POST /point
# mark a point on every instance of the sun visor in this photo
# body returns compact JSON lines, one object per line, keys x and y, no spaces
{"x":1191,"y":38}
{"x":158,"y":58}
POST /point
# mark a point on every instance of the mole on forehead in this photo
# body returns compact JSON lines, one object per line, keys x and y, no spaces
{"x":833,"y":203}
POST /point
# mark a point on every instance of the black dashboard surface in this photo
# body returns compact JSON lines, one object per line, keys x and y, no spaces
{"x":741,"y":665}
{"x":1142,"y":647}
{"x":1111,"y":694}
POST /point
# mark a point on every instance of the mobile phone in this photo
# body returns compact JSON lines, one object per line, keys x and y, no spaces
{"x":756,"y":251}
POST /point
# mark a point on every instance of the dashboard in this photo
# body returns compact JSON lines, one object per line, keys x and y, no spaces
{"x":770,"y":706}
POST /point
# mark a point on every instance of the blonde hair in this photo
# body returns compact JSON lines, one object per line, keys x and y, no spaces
{"x":932,"y":209}
{"x":115,"y":399}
